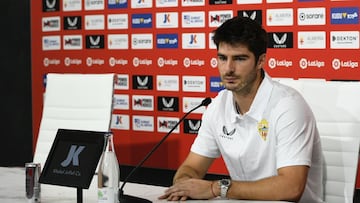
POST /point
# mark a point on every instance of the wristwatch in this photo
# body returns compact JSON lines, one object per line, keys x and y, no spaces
{"x":224,"y":186}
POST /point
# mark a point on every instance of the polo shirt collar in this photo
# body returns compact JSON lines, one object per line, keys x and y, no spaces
{"x":259,"y":105}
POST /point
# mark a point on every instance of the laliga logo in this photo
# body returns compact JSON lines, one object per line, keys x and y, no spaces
{"x":213,"y":62}
{"x":73,"y":156}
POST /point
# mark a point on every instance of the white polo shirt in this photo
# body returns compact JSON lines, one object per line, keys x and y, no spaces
{"x":279,"y":130}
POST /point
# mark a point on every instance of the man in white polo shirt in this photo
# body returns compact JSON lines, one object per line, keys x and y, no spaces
{"x":265,"y":131}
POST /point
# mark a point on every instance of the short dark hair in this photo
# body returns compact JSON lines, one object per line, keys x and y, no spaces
{"x":245,"y":31}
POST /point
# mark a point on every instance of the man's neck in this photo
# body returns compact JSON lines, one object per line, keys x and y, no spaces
{"x":244,"y":100}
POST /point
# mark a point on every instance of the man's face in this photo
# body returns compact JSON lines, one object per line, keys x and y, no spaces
{"x":237,"y":67}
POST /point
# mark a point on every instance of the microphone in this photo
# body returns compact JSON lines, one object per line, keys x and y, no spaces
{"x":132,"y":199}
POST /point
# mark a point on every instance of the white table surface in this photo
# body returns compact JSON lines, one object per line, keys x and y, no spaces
{"x":12,"y":190}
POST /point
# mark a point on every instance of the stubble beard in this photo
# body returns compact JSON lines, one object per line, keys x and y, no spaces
{"x":245,"y":85}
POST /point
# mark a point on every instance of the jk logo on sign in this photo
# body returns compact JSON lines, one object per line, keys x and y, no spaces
{"x":73,"y":156}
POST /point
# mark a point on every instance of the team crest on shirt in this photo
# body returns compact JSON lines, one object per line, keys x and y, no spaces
{"x":263,"y":128}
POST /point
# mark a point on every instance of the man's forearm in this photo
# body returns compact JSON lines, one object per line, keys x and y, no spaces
{"x":185,"y":172}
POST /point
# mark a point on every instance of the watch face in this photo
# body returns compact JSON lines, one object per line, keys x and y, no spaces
{"x":225,"y":182}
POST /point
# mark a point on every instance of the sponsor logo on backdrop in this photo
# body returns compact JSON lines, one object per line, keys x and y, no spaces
{"x":187,"y":62}
{"x":191,"y":126}
{"x":211,"y":41}
{"x":252,"y":14}
{"x":95,"y":41}
{"x":165,"y":124}
{"x":142,"y":82}
{"x":121,"y":101}
{"x":51,"y":62}
{"x":166,"y":3}
{"x":192,"y":2}
{"x":192,"y":102}
{"x":141,"y":4}
{"x":249,"y":1}
{"x":51,"y":24}
{"x":345,"y":15}
{"x":280,"y":40}
{"x":216,"y":84}
{"x":72,"y":5}
{"x":51,"y":43}
{"x":90,"y":61}
{"x":161,"y":62}
{"x":94,"y":22}
{"x":311,"y":16}
{"x":338,"y":64}
{"x":118,"y":41}
{"x":72,"y":42}
{"x":344,"y":40}
{"x":193,"y":40}
{"x":168,"y":104}
{"x":94,"y":4}
{"x":72,"y":61}
{"x":120,"y":122}
{"x":143,"y":123}
{"x":114,"y":4}
{"x":143,"y":102}
{"x":305,"y":63}
{"x":167,"y":20}
{"x":122,"y":82}
{"x":216,"y":18}
{"x":213,"y":62}
{"x":141,"y":41}
{"x":194,"y":83}
{"x":167,"y":41}
{"x":141,"y":62}
{"x":312,"y":40}
{"x":280,"y":17}
{"x":117,"y":61}
{"x":167,"y":83}
{"x":141,"y":20}
{"x":50,"y":5}
{"x":193,"y":19}
{"x":72,"y":23}
{"x":277,"y":63}
{"x":117,"y":21}
{"x":217,"y":2}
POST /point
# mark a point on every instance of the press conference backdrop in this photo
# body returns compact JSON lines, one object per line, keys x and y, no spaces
{"x":166,"y":63}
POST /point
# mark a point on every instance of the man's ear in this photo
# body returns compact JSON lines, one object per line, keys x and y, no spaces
{"x":261,"y":61}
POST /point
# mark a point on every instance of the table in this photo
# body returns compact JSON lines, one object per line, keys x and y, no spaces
{"x":12,"y":190}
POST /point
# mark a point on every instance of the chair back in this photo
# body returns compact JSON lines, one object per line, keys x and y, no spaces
{"x":74,"y":101}
{"x":337,"y":111}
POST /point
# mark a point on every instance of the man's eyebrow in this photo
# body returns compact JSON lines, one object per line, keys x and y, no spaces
{"x":235,"y":56}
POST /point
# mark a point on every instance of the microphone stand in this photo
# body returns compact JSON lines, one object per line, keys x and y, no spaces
{"x":132,"y":199}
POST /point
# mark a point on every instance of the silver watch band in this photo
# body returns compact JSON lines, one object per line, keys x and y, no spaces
{"x":224,"y":187}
